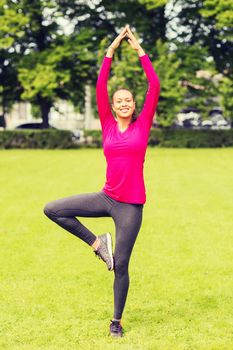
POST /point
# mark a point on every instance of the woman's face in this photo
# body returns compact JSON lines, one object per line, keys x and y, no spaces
{"x":123,"y":104}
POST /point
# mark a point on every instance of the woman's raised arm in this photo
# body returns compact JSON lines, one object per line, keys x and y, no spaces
{"x":102,"y":98}
{"x":152,"y":95}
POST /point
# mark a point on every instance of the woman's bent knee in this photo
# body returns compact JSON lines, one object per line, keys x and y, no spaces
{"x":49,"y":210}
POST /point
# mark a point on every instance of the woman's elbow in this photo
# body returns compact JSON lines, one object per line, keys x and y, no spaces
{"x":155,"y":85}
{"x":156,"y":82}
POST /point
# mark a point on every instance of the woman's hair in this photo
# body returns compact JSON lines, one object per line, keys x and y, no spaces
{"x":134,"y":115}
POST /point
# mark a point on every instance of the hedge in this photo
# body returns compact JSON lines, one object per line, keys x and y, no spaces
{"x":48,"y":139}
{"x":64,"y":139}
{"x":182,"y":138}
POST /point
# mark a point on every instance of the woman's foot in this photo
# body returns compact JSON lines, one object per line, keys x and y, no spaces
{"x":104,"y":250}
{"x":116,"y":330}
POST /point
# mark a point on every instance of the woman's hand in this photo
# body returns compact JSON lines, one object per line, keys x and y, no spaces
{"x":116,"y":42}
{"x":134,"y":43}
{"x":114,"y":45}
{"x":126,"y":32}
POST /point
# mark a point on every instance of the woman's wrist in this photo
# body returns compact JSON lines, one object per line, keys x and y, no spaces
{"x":110,"y":52}
{"x":140,"y":51}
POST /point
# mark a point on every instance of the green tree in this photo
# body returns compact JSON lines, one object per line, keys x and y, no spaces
{"x":172,"y":93}
{"x":202,"y":28}
{"x":208,"y":24}
{"x":106,"y":17}
{"x":60,"y":71}
{"x":222,"y":12}
{"x":55,"y":65}
{"x":49,"y":50}
{"x":45,"y":63}
{"x":12,"y":26}
{"x":196,"y":73}
{"x":226,"y":100}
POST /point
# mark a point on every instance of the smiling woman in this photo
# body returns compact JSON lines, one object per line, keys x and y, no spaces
{"x":123,"y":196}
{"x":123,"y":104}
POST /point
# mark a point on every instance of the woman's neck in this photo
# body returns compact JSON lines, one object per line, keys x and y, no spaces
{"x":123,"y":123}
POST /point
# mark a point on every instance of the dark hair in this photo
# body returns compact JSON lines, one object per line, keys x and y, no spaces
{"x":134,"y":115}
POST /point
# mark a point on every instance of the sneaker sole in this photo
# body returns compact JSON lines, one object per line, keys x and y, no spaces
{"x":113,"y":335}
{"x":109,"y":245}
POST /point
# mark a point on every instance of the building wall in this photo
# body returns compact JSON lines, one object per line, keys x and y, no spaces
{"x":62,"y":116}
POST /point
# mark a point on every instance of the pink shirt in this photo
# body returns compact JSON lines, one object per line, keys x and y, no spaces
{"x":125,"y":151}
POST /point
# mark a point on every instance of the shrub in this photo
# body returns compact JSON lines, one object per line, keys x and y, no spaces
{"x":63,"y":139}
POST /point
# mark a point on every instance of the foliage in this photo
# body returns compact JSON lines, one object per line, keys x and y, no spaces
{"x":49,"y":50}
{"x":197,"y":73}
{"x":187,"y":138}
{"x":51,"y":64}
{"x":12,"y":24}
{"x":222,"y":11}
{"x":58,"y":71}
{"x":47,"y":139}
{"x":153,"y":4}
{"x":194,"y":26}
{"x":172,"y":93}
{"x":226,"y":93}
{"x":62,"y":139}
{"x":179,"y":138}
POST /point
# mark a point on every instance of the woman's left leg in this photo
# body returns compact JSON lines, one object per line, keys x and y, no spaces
{"x":128,"y":219}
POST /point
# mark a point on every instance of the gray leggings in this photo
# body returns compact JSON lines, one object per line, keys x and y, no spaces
{"x":127,"y":218}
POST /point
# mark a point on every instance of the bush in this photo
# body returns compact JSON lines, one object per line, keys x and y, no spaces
{"x":48,"y":139}
{"x":188,"y":138}
{"x":185,"y":138}
{"x":63,"y":139}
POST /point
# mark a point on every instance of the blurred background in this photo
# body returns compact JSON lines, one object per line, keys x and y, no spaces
{"x":51,"y":51}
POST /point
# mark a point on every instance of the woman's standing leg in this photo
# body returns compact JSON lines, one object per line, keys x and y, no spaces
{"x":128,"y":219}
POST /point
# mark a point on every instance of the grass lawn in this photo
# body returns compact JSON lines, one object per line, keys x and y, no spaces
{"x":56,"y":295}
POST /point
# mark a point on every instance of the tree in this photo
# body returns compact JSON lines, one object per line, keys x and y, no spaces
{"x":60,"y":71}
{"x":12,"y":25}
{"x":56,"y":64}
{"x":49,"y":50}
{"x":208,"y":23}
{"x":172,"y":93}
{"x":222,"y":12}
{"x":45,"y":63}
{"x":202,"y":28}
{"x":226,"y":101}
{"x":106,"y":17}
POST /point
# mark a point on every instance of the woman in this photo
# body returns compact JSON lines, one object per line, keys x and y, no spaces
{"x":123,"y":196}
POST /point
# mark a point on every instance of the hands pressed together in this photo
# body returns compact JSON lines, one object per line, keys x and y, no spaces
{"x":125,"y":33}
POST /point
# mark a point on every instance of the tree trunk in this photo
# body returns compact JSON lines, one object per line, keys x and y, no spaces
{"x":45,"y":106}
{"x":2,"y":116}
{"x":2,"y":121}
{"x":162,"y":23}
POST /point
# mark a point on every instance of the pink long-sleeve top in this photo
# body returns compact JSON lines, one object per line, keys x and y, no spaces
{"x":125,"y":151}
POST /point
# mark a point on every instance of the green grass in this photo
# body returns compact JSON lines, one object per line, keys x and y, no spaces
{"x":56,"y":295}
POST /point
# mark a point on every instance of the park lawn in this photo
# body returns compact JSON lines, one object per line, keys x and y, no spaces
{"x":55,"y":294}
